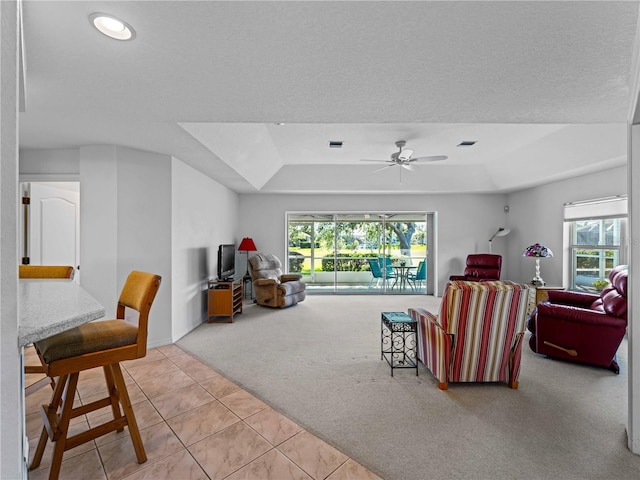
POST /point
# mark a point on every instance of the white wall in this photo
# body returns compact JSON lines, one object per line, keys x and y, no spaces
{"x":63,"y":161}
{"x":144,"y":229}
{"x":465,"y":222}
{"x":98,"y":218}
{"x":11,"y":410}
{"x":205,"y":214}
{"x":537,"y":215}
{"x":125,"y":220}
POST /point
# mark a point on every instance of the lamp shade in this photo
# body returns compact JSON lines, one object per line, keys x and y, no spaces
{"x":537,"y":250}
{"x":501,"y":233}
{"x":247,"y":245}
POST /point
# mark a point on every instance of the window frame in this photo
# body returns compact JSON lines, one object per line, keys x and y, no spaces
{"x":574,"y":245}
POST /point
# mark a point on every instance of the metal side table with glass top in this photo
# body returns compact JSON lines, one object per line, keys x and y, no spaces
{"x":398,"y":343}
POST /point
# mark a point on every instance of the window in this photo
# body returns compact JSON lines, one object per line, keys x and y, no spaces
{"x":597,"y":231}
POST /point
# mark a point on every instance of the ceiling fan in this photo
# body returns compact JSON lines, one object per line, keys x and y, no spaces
{"x":404,"y":158}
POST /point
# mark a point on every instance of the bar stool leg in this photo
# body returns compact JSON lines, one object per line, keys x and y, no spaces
{"x":42,"y":444}
{"x":58,"y":425}
{"x":56,"y":397}
{"x":113,"y":393}
{"x":128,"y":412}
{"x":63,"y":427}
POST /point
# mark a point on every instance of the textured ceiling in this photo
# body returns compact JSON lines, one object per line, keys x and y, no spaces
{"x":543,"y":82}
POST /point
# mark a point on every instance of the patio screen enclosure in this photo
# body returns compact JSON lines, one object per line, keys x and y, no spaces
{"x":337,"y":252}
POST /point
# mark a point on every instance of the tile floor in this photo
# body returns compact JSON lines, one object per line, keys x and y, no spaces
{"x":195,"y":424}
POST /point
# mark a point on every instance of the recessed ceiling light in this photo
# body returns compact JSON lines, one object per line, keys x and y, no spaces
{"x":112,"y":26}
{"x":335,"y":144}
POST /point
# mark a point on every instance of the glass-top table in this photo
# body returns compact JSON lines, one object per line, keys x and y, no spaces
{"x":398,"y":340}
{"x":402,"y":274}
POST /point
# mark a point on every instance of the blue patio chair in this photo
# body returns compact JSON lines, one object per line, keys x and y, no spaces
{"x":389,"y":272}
{"x":376,"y":272}
{"x":385,"y":263}
{"x":420,"y":275}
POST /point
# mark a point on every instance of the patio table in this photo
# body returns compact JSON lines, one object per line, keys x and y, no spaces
{"x":402,"y":274}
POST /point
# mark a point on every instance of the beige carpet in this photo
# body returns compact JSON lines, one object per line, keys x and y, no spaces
{"x":319,"y":363}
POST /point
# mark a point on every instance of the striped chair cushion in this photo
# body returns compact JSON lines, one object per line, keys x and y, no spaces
{"x":486,"y":319}
{"x":477,"y":335}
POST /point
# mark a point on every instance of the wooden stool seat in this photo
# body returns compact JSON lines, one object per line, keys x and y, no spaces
{"x":88,"y":338}
{"x":99,"y":343}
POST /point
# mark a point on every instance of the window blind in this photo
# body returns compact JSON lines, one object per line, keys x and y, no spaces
{"x":598,"y":208}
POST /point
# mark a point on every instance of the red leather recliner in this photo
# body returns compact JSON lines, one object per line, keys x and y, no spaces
{"x":583,"y":327}
{"x":481,"y":266}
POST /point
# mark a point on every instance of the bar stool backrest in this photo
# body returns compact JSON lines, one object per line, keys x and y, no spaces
{"x":46,"y":271}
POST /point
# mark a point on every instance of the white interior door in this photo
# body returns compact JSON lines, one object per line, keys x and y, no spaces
{"x":54,"y":224}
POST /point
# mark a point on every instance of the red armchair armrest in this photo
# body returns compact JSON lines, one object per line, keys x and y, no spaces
{"x":575,"y":299}
{"x":551,"y":312}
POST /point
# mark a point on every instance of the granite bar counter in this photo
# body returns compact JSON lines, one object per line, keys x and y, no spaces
{"x":48,"y":307}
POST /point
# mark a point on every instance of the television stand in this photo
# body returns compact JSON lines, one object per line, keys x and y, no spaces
{"x":224,"y":299}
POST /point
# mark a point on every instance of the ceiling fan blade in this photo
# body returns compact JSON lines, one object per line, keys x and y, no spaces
{"x":407,"y":166}
{"x":433,"y":158}
{"x":369,"y":160}
{"x":383,"y":168}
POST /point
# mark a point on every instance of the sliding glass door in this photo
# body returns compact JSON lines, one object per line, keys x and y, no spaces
{"x":368,"y":253}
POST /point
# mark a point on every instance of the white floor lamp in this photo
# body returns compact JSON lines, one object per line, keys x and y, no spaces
{"x":500,"y":233}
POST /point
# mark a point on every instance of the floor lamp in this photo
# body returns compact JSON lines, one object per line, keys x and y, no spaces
{"x":247,"y":245}
{"x":500,"y":233}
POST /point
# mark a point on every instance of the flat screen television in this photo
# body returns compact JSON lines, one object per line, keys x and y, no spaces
{"x":226,"y":262}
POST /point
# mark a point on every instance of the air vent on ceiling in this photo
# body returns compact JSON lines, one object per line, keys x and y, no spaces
{"x":467,"y":143}
{"x":335,"y":144}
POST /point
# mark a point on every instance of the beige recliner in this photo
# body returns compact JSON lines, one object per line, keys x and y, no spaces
{"x":271,"y":287}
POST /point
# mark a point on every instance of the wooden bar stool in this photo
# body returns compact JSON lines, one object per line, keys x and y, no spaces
{"x":42,"y":271}
{"x":96,"y":344}
{"x":46,"y":271}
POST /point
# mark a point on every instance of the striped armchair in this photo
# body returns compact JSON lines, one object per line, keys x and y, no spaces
{"x":477,"y":336}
